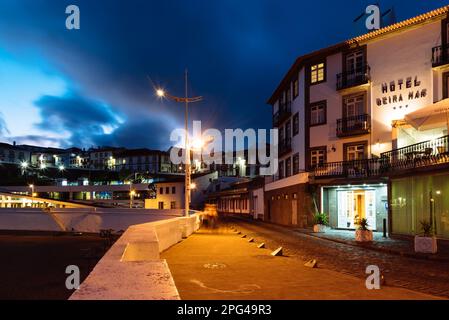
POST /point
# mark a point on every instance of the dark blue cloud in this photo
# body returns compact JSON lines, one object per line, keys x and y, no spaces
{"x":81,"y":117}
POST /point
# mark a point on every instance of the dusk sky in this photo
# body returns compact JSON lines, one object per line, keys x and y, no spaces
{"x":90,"y":87}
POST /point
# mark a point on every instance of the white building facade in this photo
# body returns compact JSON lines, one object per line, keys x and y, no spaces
{"x":356,"y":117}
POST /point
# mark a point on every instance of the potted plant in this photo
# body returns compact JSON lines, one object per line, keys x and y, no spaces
{"x":426,"y":242}
{"x":363,"y":234}
{"x":321,"y":222}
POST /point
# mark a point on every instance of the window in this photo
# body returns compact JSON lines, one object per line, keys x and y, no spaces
{"x":355,"y":62}
{"x":173,"y":205}
{"x":281,"y":169}
{"x":318,"y":113}
{"x":288,"y":167}
{"x":353,"y":105}
{"x":288,"y":129}
{"x":296,"y":164}
{"x":161,"y":205}
{"x":161,"y":190}
{"x":173,"y":190}
{"x":295,"y":195}
{"x":295,"y":88}
{"x":317,"y":73}
{"x":281,"y":134}
{"x":355,"y":151}
{"x":295,"y":124}
{"x":288,"y":95}
{"x":317,"y":156}
{"x":167,"y":190}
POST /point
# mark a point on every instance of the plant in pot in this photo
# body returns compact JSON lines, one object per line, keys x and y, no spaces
{"x":363,"y":234}
{"x":426,"y":242}
{"x":321,"y":222}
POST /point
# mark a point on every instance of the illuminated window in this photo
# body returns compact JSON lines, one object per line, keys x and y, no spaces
{"x":317,"y":157}
{"x":355,"y":152}
{"x":318,"y":113}
{"x":317,"y":73}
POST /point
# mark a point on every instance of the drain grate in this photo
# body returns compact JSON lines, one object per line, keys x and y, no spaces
{"x":214,"y":265}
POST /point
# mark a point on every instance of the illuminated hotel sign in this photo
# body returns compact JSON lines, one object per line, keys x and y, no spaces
{"x":401,"y":92}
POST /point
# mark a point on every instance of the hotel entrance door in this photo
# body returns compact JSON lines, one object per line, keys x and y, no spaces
{"x":354,"y":205}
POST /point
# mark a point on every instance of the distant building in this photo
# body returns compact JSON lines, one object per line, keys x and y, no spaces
{"x":102,"y":158}
{"x":14,"y":154}
{"x":142,"y":160}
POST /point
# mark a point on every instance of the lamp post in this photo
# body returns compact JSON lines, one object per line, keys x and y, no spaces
{"x":32,"y":194}
{"x":186,"y":100}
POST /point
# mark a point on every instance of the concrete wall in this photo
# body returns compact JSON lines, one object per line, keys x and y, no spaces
{"x":132,"y":268}
{"x":82,"y":220}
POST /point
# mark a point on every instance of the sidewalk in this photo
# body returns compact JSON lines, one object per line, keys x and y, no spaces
{"x":220,"y":264}
{"x":402,"y":247}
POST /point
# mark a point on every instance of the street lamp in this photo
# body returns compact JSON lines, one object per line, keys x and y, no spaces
{"x":161,"y":93}
{"x":32,"y":194}
{"x":132,"y":193}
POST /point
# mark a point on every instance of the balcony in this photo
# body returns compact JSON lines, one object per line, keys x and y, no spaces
{"x":423,"y":155}
{"x":363,"y":168}
{"x":440,"y":55}
{"x":420,"y":155}
{"x":284,"y":112}
{"x":285,"y":146}
{"x":354,"y":125}
{"x":353,"y":78}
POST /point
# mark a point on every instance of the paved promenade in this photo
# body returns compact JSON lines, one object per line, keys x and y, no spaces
{"x":220,"y":264}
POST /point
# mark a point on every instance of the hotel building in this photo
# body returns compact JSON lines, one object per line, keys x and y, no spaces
{"x":363,"y":131}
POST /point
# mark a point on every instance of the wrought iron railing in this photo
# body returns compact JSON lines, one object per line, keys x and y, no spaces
{"x":427,"y":153}
{"x":359,"y":124}
{"x":285,"y":146}
{"x":350,"y":169}
{"x":353,"y":78}
{"x":285,"y":111}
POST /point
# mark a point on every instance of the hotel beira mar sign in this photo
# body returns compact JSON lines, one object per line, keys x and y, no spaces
{"x":401,"y":92}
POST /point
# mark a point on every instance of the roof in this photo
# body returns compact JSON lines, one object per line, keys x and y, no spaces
{"x":136,"y":152}
{"x":396,"y":27}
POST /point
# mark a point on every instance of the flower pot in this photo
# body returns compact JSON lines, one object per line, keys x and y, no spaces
{"x":319,"y":228}
{"x":363,"y":235}
{"x":425,"y":244}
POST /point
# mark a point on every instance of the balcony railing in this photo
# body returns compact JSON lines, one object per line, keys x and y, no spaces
{"x":440,"y":55}
{"x":285,"y":146}
{"x":420,"y":155}
{"x":354,"y":125}
{"x":423,"y":154}
{"x":353,"y":78}
{"x":349,"y":169}
{"x":285,"y":111}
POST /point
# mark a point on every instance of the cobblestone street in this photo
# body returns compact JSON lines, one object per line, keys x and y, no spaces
{"x":427,"y":276}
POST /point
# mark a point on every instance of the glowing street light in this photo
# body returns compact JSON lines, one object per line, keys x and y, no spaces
{"x":132,"y":193}
{"x":193,"y":185}
{"x":24,"y":165}
{"x":161,"y":93}
{"x":61,"y":167}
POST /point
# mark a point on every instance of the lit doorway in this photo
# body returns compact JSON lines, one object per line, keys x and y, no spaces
{"x":354,"y":205}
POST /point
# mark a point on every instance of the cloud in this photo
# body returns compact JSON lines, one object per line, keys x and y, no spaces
{"x":76,"y":116}
{"x":3,"y":127}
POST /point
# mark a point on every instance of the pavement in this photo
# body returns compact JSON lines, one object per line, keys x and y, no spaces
{"x":421,"y":275}
{"x":220,"y":264}
{"x":399,"y":246}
